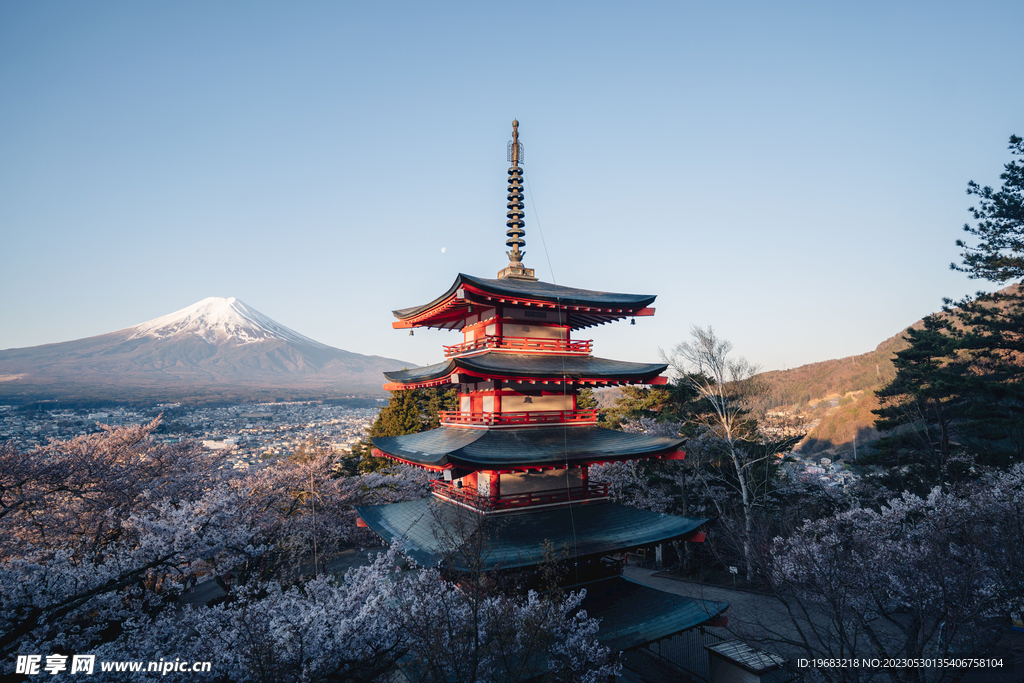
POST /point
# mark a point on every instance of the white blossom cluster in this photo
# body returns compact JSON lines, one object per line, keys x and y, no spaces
{"x":377,"y":617}
{"x":919,"y":576}
{"x":100,"y":533}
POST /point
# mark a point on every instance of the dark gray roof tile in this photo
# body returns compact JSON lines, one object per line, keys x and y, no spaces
{"x":632,"y":614}
{"x":542,"y":291}
{"x":432,"y":530}
{"x":505,"y":448}
{"x":531,"y":365}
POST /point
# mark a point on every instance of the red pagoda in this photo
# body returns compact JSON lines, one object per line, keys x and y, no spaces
{"x":513,"y":461}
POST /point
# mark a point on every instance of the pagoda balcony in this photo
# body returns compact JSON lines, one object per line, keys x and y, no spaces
{"x":522,"y":419}
{"x":468,"y":497}
{"x":521,"y":345}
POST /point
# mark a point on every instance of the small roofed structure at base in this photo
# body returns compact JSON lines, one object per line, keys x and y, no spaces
{"x":734,"y":660}
{"x":512,"y":463}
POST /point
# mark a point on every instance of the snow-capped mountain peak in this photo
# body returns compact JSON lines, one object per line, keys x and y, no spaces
{"x":217,"y":320}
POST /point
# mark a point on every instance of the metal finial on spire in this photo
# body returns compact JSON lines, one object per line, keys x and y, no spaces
{"x":515,"y":148}
{"x":515,"y":222}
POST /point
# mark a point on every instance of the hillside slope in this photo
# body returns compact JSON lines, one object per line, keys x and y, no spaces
{"x":833,"y":378}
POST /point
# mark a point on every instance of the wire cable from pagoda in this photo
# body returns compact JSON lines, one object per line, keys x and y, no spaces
{"x":565,"y":445}
{"x":536,"y":217}
{"x":565,"y":386}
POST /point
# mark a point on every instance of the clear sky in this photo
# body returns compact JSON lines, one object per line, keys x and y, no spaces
{"x":792,"y":173}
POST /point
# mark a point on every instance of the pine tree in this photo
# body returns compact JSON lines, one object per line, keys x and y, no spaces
{"x":959,"y":386}
{"x":400,"y":416}
{"x":408,"y":411}
{"x":994,"y":414}
{"x":999,"y":255}
{"x":585,"y":399}
{"x":994,"y":323}
{"x":922,"y":406}
{"x":668,"y":403}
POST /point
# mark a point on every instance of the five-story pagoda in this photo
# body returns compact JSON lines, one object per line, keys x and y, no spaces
{"x":513,"y":461}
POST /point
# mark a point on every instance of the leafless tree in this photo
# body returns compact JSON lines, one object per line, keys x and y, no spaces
{"x":731,"y":389}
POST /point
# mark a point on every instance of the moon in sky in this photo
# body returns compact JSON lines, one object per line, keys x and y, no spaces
{"x":443,"y":249}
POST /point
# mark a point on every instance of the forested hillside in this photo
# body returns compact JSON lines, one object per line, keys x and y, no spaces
{"x":808,"y":384}
{"x":835,"y":396}
{"x":838,"y":396}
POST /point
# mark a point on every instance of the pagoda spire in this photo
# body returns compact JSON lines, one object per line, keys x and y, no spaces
{"x":515,"y":222}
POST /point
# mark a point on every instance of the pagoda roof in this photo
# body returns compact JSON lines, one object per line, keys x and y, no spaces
{"x":585,"y":307}
{"x":633,"y":614}
{"x":504,"y":365}
{"x":507,"y":449}
{"x":432,"y":530}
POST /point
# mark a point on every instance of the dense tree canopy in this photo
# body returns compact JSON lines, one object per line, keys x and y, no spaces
{"x":98,"y":535}
{"x":920,"y":576}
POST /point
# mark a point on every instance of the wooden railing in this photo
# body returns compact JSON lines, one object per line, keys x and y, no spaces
{"x":521,"y":344}
{"x":538,"y":417}
{"x":468,"y":496}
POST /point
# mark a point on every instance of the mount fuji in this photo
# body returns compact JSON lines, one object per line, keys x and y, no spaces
{"x":218,"y":346}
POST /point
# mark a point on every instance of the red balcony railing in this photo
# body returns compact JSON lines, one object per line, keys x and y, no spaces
{"x":538,"y":417}
{"x":468,"y":496}
{"x":521,"y":344}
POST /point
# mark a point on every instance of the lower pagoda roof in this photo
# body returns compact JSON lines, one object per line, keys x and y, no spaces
{"x":433,"y":531}
{"x":633,"y":614}
{"x":502,"y":365}
{"x":500,"y":449}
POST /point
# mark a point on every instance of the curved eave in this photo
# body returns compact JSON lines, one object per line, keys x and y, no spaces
{"x":521,"y":539}
{"x":509,"y":450}
{"x":461,"y":469}
{"x":418,"y":376}
{"x":633,"y":614}
{"x":531,"y":368}
{"x":584,"y":308}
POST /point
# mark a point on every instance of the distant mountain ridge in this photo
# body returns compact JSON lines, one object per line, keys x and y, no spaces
{"x":217,"y":346}
{"x":851,"y":383}
{"x":864,"y":372}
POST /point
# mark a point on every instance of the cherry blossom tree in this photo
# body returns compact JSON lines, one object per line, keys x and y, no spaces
{"x":376,"y":618}
{"x":99,"y":532}
{"x":921,"y":577}
{"x":96,"y":528}
{"x":299,"y":504}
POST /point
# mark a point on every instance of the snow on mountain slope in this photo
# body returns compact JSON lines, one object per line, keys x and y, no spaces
{"x":219,"y":320}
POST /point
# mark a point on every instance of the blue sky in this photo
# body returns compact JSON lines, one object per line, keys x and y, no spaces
{"x":791,"y":173}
